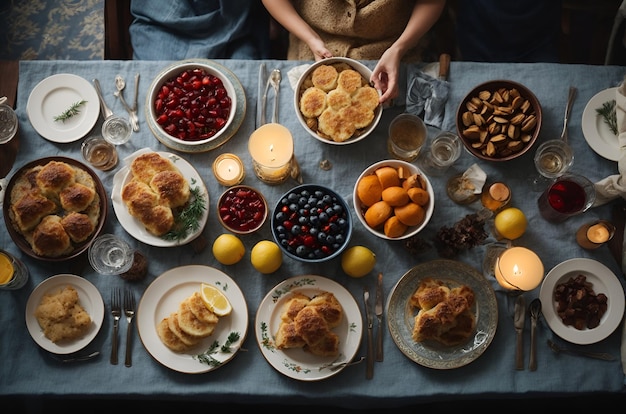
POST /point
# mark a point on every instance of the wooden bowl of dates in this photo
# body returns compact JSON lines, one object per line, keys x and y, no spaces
{"x":499,"y":120}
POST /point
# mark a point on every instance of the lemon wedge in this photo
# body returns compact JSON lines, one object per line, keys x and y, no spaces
{"x":215,"y":300}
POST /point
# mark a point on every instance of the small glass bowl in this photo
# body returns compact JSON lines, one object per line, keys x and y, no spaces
{"x":242,"y":209}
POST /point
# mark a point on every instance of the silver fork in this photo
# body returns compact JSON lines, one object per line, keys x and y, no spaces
{"x":116,"y":311}
{"x":129,"y":311}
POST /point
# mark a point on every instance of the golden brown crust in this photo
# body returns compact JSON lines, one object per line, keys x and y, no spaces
{"x":50,"y":238}
{"x":294,"y":305}
{"x":325,"y":77}
{"x":367,"y":96}
{"x":61,"y":316}
{"x":328,"y":346}
{"x":287,"y":337}
{"x":145,"y":166}
{"x":168,"y":337}
{"x":174,"y":326}
{"x":333,"y":125}
{"x":55,"y":176}
{"x":357,"y":114}
{"x":349,"y":80}
{"x":313,"y":102}
{"x":199,"y":309}
{"x":337,"y":99}
{"x":78,"y":226}
{"x":171,"y":188}
{"x":30,"y":209}
{"x":76,"y":197}
{"x":329,"y":307}
{"x":310,"y":325}
{"x":190,"y":324}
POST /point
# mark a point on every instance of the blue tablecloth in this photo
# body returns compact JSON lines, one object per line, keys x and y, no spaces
{"x":26,"y":370}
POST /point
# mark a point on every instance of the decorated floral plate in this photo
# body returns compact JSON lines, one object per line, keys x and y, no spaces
{"x":163,"y":297}
{"x":132,"y":225}
{"x":401,"y":315}
{"x":295,"y":362}
{"x":89,"y":298}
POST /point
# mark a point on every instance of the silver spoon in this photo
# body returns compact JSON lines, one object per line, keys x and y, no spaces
{"x":535,"y":311}
{"x":120,"y":84}
{"x":106,"y":111}
{"x":597,"y":355}
{"x":275,"y":78}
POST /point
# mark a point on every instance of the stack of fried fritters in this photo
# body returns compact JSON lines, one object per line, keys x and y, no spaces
{"x":61,"y":316}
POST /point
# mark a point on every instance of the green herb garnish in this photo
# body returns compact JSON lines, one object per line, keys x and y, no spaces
{"x":189,"y":218}
{"x":207,"y":356}
{"x":607,"y":111}
{"x":68,"y":113}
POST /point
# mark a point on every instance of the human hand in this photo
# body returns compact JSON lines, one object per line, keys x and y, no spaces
{"x":385,"y":75}
{"x":319,"y":50}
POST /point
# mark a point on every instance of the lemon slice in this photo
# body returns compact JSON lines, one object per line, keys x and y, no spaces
{"x":215,"y":300}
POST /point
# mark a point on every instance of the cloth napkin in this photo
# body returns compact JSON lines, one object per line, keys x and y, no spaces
{"x":614,"y":186}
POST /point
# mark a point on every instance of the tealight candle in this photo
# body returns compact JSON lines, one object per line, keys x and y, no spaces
{"x":519,"y":268}
{"x":594,"y":234}
{"x":271,"y":148}
{"x":228,"y":169}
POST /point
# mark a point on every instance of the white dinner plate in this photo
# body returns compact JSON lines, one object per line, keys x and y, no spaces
{"x":597,"y":133}
{"x":401,"y":315}
{"x":297,"y":363}
{"x":603,"y":280}
{"x":89,"y":298}
{"x":55,"y":94}
{"x":132,"y":225}
{"x":164,"y":295}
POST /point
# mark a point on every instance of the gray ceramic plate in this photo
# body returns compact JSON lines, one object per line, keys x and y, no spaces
{"x":400,"y":315}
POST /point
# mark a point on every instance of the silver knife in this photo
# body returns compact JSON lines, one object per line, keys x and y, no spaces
{"x":260,"y":106}
{"x":378,"y":309}
{"x":518,"y":320}
{"x":369,"y":370}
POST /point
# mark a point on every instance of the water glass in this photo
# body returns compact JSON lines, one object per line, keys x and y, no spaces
{"x":110,"y":255}
{"x":100,"y":153}
{"x":567,"y":196}
{"x":443,"y":152}
{"x":552,"y":159}
{"x":8,"y":123}
{"x":13,"y":273}
{"x":407,"y":134}
{"x":116,"y":130}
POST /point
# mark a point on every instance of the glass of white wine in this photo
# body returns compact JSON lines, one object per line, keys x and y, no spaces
{"x":552,"y":159}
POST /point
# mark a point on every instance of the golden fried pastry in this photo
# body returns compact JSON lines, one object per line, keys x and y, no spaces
{"x":349,"y":80}
{"x":462,"y":329}
{"x":294,"y":305}
{"x":192,"y":325}
{"x":357,"y":114}
{"x":30,"y":209}
{"x":78,"y":226}
{"x":310,"y":325}
{"x":50,"y":238}
{"x":138,"y":197}
{"x":199,"y":309}
{"x":333,"y":125}
{"x":313,"y":102}
{"x":145,"y":166}
{"x":366,"y":96}
{"x":76,"y":197}
{"x":329,"y":307}
{"x":328,"y":346}
{"x":174,"y":326}
{"x":169,"y":338}
{"x":429,"y":293}
{"x":54,"y":176}
{"x":338,"y":98}
{"x":287,"y":337}
{"x":171,"y":188}
{"x":61,"y":317}
{"x":158,"y":220}
{"x":325,"y":77}
{"x":426,"y":326}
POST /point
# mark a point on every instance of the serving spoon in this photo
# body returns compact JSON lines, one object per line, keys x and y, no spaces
{"x":120,"y":84}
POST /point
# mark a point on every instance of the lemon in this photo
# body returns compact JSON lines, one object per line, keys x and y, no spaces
{"x":266,"y":256}
{"x":510,"y":223}
{"x":228,"y":249}
{"x":358,"y":261}
{"x":6,"y":269}
{"x":215,"y":300}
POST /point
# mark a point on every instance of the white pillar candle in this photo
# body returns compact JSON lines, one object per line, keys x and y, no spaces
{"x":271,"y":148}
{"x":228,"y":169}
{"x":519,"y":268}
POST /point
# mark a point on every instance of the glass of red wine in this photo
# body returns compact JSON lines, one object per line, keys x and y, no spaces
{"x":567,"y":196}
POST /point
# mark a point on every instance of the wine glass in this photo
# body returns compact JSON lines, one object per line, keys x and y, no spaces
{"x":443,"y":152}
{"x":552,"y":159}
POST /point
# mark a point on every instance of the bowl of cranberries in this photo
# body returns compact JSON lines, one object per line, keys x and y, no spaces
{"x":242,"y":209}
{"x":311,"y":223}
{"x":190,"y":104}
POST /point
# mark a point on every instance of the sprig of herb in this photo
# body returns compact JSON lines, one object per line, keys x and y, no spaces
{"x":189,"y":218}
{"x":207,"y":356}
{"x":607,"y":111}
{"x":70,"y":112}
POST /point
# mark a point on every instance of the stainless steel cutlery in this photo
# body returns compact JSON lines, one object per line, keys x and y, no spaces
{"x":378,"y":310}
{"x":369,"y":370}
{"x":518,"y":319}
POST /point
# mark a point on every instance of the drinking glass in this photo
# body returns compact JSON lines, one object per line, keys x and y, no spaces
{"x":407,"y":134}
{"x":443,"y":152}
{"x":116,"y":130}
{"x":110,"y":255}
{"x":567,"y":196}
{"x":552,"y":159}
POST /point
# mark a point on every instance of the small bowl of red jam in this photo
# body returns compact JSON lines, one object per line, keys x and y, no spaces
{"x":311,"y":223}
{"x":242,"y":209}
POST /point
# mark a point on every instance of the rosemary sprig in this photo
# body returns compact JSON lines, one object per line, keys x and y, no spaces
{"x":189,"y":218}
{"x":207,"y":356}
{"x":70,"y":112}
{"x":607,"y":111}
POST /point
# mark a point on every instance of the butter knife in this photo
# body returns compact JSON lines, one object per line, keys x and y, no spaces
{"x":378,"y":309}
{"x":518,"y":321}
{"x":369,"y":370}
{"x":260,"y":105}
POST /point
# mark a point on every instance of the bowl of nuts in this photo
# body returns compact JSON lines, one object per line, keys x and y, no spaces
{"x":335,"y":102}
{"x":311,"y":223}
{"x":499,"y":120}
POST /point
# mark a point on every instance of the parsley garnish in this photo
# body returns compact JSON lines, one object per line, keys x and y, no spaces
{"x":607,"y":111}
{"x":207,"y":356}
{"x":68,"y":113}
{"x":189,"y":218}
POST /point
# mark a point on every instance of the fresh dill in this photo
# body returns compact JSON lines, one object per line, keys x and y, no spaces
{"x":70,"y":112}
{"x":189,"y":218}
{"x":607,"y":111}
{"x":207,"y":356}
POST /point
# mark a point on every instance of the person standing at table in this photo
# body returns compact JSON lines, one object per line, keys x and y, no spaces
{"x":210,"y":29}
{"x":389,"y":31}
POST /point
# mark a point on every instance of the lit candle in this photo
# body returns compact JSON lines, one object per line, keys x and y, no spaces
{"x":519,"y":268}
{"x":594,"y":234}
{"x":598,"y":233}
{"x":271,"y":148}
{"x":228,"y":169}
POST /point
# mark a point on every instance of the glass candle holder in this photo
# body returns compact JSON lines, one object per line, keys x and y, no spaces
{"x":518,"y":269}
{"x":271,"y":148}
{"x":594,"y":234}
{"x":228,"y":169}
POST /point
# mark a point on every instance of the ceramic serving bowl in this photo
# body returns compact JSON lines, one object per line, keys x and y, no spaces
{"x":399,"y":197}
{"x":98,"y":204}
{"x":242,"y":209}
{"x":190,"y":104}
{"x":499,"y":120}
{"x":351,"y":117}
{"x":311,"y":223}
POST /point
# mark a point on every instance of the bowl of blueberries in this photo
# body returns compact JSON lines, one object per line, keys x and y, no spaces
{"x":311,"y":223}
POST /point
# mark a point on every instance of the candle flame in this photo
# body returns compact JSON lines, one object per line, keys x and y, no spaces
{"x":516,"y":270}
